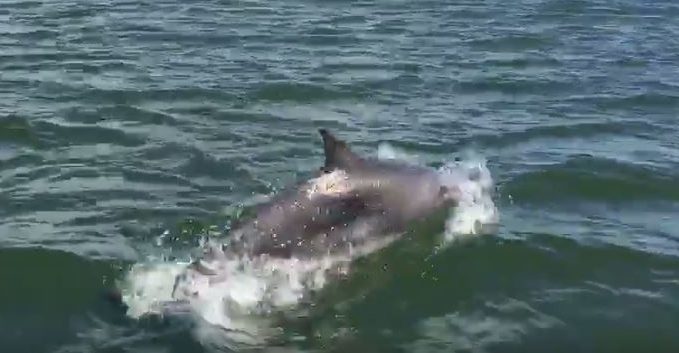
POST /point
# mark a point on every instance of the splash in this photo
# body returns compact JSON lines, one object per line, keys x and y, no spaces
{"x":238,"y":302}
{"x":476,"y":212}
{"x":235,"y":305}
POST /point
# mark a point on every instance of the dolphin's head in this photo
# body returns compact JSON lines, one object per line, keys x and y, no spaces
{"x":429,"y":192}
{"x":404,"y":189}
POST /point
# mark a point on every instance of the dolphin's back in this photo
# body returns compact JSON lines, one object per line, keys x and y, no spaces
{"x":286,"y":224}
{"x":381,"y":196}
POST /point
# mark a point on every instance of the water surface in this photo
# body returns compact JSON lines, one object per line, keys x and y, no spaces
{"x":122,"y":120}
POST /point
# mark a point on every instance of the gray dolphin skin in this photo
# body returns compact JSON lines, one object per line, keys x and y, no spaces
{"x":351,"y":201}
{"x":363,"y":198}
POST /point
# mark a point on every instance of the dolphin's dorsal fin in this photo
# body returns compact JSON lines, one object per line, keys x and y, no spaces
{"x":337,"y":153}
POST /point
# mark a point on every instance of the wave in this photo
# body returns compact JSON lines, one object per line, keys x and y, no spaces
{"x":298,"y":92}
{"x":592,"y":179}
{"x":54,"y":134}
{"x":17,"y":130}
{"x":513,"y":86}
{"x":578,"y":130}
{"x":637,"y":102}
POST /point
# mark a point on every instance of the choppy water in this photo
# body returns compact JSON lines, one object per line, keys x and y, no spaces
{"x":121,"y":121}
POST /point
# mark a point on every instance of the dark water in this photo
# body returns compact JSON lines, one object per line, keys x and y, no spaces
{"x":122,"y":119}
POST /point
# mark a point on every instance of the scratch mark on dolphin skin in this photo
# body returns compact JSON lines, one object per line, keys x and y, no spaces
{"x":329,"y":184}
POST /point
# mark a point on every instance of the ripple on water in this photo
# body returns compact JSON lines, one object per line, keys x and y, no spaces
{"x":53,"y":134}
{"x":577,"y":130}
{"x":493,"y":326}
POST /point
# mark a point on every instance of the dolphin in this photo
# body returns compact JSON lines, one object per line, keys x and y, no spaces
{"x":351,"y":200}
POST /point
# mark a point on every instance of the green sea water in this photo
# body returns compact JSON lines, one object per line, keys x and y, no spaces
{"x":128,"y":129}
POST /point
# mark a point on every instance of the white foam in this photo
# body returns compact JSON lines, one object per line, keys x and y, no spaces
{"x":233,"y":307}
{"x":476,"y":209}
{"x":148,"y":285}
